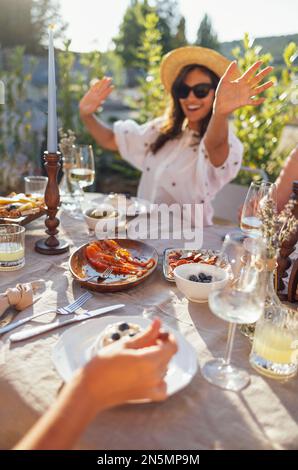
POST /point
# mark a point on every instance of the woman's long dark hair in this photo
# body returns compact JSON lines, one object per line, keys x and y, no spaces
{"x":175,"y":115}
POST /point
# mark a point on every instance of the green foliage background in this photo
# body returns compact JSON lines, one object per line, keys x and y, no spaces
{"x":260,"y":128}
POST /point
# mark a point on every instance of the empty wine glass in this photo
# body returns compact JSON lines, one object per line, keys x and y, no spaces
{"x":240,"y":301}
{"x":256,"y":196}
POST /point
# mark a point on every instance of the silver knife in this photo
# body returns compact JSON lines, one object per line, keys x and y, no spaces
{"x":37,"y":330}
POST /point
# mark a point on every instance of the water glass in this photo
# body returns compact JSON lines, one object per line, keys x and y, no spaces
{"x":12,"y":247}
{"x":35,"y":185}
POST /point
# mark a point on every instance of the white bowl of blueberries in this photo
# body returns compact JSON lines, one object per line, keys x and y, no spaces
{"x":197,"y":280}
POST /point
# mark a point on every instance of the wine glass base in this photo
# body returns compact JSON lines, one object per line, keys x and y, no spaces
{"x":225,"y":376}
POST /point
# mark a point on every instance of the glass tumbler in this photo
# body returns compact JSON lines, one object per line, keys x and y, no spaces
{"x":12,"y":247}
{"x":35,"y":185}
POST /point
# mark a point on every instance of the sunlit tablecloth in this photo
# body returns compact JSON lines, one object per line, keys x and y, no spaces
{"x":263,"y":416}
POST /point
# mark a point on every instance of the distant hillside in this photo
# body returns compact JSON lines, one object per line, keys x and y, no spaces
{"x":273,"y":44}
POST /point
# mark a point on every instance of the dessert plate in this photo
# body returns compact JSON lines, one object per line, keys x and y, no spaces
{"x":76,"y":346}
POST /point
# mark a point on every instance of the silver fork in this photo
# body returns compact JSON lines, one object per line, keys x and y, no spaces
{"x":71,"y":308}
{"x":107,"y":272}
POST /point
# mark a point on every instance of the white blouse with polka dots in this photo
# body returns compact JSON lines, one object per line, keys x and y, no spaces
{"x":181,"y":170}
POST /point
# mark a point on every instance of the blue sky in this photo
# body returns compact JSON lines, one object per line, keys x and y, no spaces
{"x":93,"y":23}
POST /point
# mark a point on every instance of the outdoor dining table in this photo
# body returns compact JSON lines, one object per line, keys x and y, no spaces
{"x":262,"y":416}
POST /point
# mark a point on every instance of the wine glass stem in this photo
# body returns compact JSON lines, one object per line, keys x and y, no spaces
{"x":82,"y":199}
{"x":230,"y":343}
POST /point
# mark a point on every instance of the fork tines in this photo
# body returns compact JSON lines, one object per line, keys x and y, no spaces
{"x":104,"y":275}
{"x":107,"y":272}
{"x":81,"y":300}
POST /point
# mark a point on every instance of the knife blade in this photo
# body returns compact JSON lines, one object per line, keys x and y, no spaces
{"x":37,"y":330}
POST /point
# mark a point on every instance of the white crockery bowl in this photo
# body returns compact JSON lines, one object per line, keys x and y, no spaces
{"x":107,"y":223}
{"x":199,"y":291}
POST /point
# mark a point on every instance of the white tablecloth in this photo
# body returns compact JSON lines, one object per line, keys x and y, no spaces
{"x":263,"y":416}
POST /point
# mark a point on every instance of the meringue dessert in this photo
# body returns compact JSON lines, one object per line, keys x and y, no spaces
{"x":115,"y":332}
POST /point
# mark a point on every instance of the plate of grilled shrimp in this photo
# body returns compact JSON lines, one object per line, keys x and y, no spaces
{"x":127,"y":262}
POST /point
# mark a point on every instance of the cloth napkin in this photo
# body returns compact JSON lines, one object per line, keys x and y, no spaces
{"x":20,"y":296}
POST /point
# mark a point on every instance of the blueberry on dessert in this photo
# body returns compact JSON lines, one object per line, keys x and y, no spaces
{"x":115,"y":332}
{"x":115,"y":336}
{"x":123,"y":327}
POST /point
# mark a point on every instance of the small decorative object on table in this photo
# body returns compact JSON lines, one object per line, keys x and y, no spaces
{"x":20,"y":296}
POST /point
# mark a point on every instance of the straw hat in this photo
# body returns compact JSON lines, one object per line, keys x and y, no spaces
{"x":174,"y":61}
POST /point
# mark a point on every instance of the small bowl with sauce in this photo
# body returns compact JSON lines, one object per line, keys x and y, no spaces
{"x":102,"y":218}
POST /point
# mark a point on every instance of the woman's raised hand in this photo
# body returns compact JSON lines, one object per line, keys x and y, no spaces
{"x":130,"y":370}
{"x":95,"y":96}
{"x":232,"y":94}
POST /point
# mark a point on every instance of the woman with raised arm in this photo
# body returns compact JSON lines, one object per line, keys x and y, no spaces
{"x":189,"y":154}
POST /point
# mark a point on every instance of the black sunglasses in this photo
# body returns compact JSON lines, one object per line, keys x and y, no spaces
{"x":201,"y":90}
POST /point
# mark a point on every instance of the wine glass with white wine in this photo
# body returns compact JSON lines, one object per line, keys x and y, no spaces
{"x":256,"y":197}
{"x":82,"y":171}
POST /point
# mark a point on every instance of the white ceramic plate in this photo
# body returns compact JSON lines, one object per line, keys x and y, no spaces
{"x":74,"y":349}
{"x":206,"y":255}
{"x":134,"y":205}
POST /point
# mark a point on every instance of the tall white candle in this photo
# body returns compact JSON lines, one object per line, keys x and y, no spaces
{"x":52,"y":112}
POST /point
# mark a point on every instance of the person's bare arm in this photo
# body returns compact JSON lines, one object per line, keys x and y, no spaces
{"x":124,"y":371}
{"x":92,"y":100}
{"x":230,"y":95}
{"x":216,"y":139}
{"x":62,"y":424}
{"x":285,"y":180}
{"x":101,"y":133}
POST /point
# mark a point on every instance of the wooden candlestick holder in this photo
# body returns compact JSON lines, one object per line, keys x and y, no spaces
{"x":51,"y":245}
